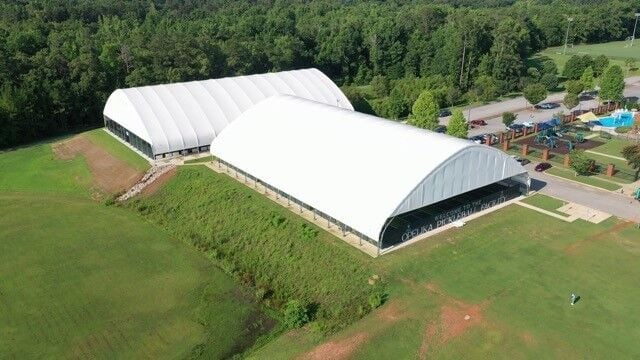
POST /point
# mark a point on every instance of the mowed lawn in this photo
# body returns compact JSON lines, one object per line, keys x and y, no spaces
{"x":613,"y":49}
{"x":83,"y":280}
{"x":612,"y":147}
{"x":512,"y":272}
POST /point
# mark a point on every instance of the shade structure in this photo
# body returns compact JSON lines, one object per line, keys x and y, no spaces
{"x":586,"y":117}
{"x":172,"y":118}
{"x":359,"y":169}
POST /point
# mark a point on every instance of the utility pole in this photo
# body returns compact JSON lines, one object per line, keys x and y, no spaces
{"x":566,"y":36}
{"x":633,"y":37}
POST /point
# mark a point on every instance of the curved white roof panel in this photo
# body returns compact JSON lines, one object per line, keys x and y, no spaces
{"x":173,"y":117}
{"x":357,"y":168}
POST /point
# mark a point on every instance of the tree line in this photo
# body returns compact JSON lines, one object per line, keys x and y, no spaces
{"x":60,"y":59}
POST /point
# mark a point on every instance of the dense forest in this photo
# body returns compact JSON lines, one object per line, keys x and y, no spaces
{"x":60,"y":59}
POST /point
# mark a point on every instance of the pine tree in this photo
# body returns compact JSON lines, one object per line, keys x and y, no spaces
{"x":458,"y":125}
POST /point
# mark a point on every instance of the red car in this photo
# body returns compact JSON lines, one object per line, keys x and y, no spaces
{"x":542,"y":166}
{"x":478,"y":122}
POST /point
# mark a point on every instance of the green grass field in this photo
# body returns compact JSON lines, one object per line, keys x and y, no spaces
{"x":514,"y":271}
{"x":263,"y":244}
{"x":198,"y":160}
{"x":619,"y":50}
{"x":150,"y":279}
{"x":588,"y":180}
{"x":82,"y":280}
{"x":35,"y":169}
{"x":612,"y":147}
{"x":114,"y":147}
{"x":545,"y":202}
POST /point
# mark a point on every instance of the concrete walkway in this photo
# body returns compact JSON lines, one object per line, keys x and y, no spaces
{"x":605,"y":155}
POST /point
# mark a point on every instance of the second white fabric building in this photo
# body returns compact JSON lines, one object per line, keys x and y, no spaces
{"x":358,"y":169}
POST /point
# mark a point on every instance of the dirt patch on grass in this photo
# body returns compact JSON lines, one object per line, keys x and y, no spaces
{"x":338,"y":349}
{"x":158,"y":183}
{"x":528,"y":338}
{"x":573,"y":248}
{"x":429,"y":336}
{"x":391,"y":312}
{"x":456,"y":317}
{"x":109,"y":174}
{"x":344,"y":348}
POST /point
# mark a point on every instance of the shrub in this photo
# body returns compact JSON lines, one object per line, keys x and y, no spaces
{"x":278,"y":221}
{"x":623,"y":129}
{"x":109,"y":201}
{"x":295,"y":314}
{"x":580,"y":163}
{"x":375,"y":300}
{"x":308,"y":231}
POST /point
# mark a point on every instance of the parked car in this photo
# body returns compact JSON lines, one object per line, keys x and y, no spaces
{"x":478,"y":139}
{"x":522,"y":161}
{"x":478,"y":122}
{"x":542,"y":166}
{"x":516,"y":127}
{"x":444,"y":112}
{"x":441,"y":129}
{"x":546,"y":106}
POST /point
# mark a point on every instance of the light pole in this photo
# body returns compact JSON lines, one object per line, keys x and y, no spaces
{"x":566,"y":36}
{"x":633,"y":37}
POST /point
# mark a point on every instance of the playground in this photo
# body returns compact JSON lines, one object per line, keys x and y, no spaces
{"x":559,"y":141}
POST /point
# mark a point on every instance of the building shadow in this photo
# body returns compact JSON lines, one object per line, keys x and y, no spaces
{"x":537,"y":185}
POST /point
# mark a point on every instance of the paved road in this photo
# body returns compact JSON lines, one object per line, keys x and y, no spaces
{"x":492,"y":112}
{"x":619,"y":205}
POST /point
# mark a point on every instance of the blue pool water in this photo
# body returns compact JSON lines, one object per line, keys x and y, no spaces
{"x":620,"y":119}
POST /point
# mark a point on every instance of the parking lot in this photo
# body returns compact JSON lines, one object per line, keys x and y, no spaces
{"x":492,"y":113}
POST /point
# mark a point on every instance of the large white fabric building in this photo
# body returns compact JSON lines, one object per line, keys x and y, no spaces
{"x":379,"y":179}
{"x":181,"y":118}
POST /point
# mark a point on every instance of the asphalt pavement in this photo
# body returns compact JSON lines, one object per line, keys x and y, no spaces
{"x":492,"y":113}
{"x":622,"y":206}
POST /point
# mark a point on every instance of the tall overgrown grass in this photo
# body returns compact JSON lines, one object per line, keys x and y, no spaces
{"x":264,"y":245}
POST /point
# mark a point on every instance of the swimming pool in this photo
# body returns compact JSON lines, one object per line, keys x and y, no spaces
{"x":622,"y":118}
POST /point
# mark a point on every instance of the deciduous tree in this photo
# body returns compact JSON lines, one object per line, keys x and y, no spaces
{"x":632,"y":154}
{"x":600,"y":64}
{"x":571,"y":100}
{"x":550,"y":81}
{"x":574,"y":86}
{"x":534,"y":93}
